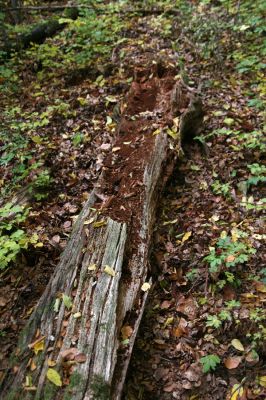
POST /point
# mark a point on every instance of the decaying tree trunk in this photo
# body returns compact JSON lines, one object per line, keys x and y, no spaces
{"x":85,"y":324}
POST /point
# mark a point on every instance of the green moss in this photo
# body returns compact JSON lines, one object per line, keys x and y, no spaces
{"x":100,"y":389}
{"x":76,"y":383}
{"x":49,"y":392}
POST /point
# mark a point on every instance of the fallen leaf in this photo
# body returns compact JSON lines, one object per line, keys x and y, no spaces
{"x":3,"y":301}
{"x":237,"y":345}
{"x":126,"y":332}
{"x":230,"y":258}
{"x":262,"y":380}
{"x":38,"y":345}
{"x":260,"y":287}
{"x":108,"y":270}
{"x":116,"y":149}
{"x":92,"y":267}
{"x":146,"y":286}
{"x":165,"y":304}
{"x":33,"y":366}
{"x":57,"y":305}
{"x":232,"y":362}
{"x":67,"y":301}
{"x":56,"y":239}
{"x":181,"y":329}
{"x":54,"y":377}
{"x":252,"y":357}
{"x":236,"y":392}
{"x":186,"y":236}
{"x":98,"y":224}
{"x":169,"y":321}
{"x":77,"y":315}
{"x":51,"y":363}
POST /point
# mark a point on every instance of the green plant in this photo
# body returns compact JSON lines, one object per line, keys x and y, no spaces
{"x":12,"y":238}
{"x":229,"y":251}
{"x":41,"y":185}
{"x":213,"y":321}
{"x":209,"y":362}
{"x":258,"y":172}
{"x":191,"y":275}
{"x":78,"y":138}
{"x":221,"y":188}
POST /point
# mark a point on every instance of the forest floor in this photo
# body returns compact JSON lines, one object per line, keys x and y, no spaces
{"x":203,"y":332}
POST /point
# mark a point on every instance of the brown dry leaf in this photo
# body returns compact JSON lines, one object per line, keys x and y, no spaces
{"x":193,"y":373}
{"x":161,"y":373}
{"x":252,"y":358}
{"x":181,"y":329}
{"x":169,"y":387}
{"x":187,"y":306}
{"x":126,"y":332}
{"x":165,"y":304}
{"x":56,"y":239}
{"x":33,"y":366}
{"x":3,"y":301}
{"x":232,"y":362}
{"x":260,"y":287}
{"x":230,"y":258}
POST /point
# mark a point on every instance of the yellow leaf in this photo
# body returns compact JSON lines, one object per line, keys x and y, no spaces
{"x":169,"y":321}
{"x":77,"y":315}
{"x":51,"y":363}
{"x":38,"y":345}
{"x":156,"y":132}
{"x":116,"y":149}
{"x":146,"y":286}
{"x":36,"y":139}
{"x":39,"y":244}
{"x":171,"y":133}
{"x":99,"y":223}
{"x":237,"y":345}
{"x":89,"y":221}
{"x":262,"y":380}
{"x":108,"y":270}
{"x":186,"y":236}
{"x":92,"y":267}
{"x":237,"y":391}
{"x":223,"y":235}
{"x":176,"y":122}
{"x":54,"y":377}
{"x":234,"y":235}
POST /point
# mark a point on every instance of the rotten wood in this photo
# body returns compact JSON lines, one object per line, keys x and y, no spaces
{"x":95,"y":290}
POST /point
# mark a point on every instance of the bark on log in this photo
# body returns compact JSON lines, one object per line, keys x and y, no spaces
{"x":96,"y":288}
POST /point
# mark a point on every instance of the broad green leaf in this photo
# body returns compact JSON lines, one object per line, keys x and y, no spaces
{"x":54,"y":377}
{"x":67,"y":301}
{"x":237,"y":345}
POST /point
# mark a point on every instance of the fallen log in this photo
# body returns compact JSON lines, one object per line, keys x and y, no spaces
{"x":78,"y":341}
{"x":38,"y":34}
